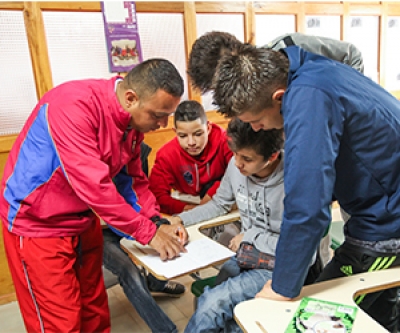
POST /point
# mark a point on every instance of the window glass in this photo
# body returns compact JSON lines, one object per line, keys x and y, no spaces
{"x":18,"y":92}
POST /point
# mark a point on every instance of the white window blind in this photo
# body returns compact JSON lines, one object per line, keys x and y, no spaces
{"x":363,"y":33}
{"x":76,"y":45}
{"x":268,"y":27}
{"x":231,"y":23}
{"x":17,"y":93}
{"x":324,"y":26}
{"x":162,"y":36}
{"x":392,"y":63}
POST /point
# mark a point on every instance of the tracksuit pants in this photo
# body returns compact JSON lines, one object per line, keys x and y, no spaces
{"x":59,"y":282}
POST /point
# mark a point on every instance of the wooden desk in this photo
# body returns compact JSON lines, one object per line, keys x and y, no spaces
{"x":275,"y":316}
{"x":136,"y":251}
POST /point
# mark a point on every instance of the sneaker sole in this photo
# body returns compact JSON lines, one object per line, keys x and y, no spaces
{"x":162,"y":294}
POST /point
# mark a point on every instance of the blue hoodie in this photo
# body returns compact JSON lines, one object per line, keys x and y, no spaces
{"x":343,"y":139}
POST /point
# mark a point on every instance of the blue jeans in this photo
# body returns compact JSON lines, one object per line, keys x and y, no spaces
{"x":229,"y":269}
{"x":215,"y":306}
{"x":134,"y":285}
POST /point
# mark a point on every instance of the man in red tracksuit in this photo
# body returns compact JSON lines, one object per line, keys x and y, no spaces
{"x":191,"y":163}
{"x":58,"y":182}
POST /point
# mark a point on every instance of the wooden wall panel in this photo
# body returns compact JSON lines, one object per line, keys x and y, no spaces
{"x":38,"y":47}
{"x":12,"y":5}
{"x":276,"y":7}
{"x":220,"y":6}
{"x":249,"y":24}
{"x":7,"y":292}
{"x":301,"y":18}
{"x":189,"y":18}
{"x":325,"y":8}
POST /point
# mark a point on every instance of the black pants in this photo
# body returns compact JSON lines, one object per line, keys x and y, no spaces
{"x":350,"y":259}
{"x":314,"y":271}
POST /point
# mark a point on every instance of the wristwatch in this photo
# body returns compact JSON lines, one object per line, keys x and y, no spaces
{"x":159,"y":221}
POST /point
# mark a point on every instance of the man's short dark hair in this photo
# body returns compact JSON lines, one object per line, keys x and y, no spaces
{"x":242,"y":136}
{"x":246,"y":79}
{"x":204,"y":56}
{"x":152,"y":75}
{"x":190,"y":111}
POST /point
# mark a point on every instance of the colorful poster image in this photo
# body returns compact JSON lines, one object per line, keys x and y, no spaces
{"x":122,"y":35}
{"x":318,"y":316}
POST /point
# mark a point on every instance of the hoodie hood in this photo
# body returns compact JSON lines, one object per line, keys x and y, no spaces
{"x":274,"y":179}
{"x":298,"y":58}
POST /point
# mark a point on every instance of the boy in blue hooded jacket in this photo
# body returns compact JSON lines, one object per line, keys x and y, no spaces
{"x":342,"y":135}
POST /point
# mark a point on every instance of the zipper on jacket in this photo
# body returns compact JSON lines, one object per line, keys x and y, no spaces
{"x":197,"y":178}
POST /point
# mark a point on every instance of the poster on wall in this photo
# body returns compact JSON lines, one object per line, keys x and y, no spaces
{"x":122,"y":35}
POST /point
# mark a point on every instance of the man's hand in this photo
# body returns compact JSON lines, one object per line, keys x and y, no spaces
{"x":167,"y":243}
{"x":267,"y":292}
{"x":234,"y":243}
{"x":205,"y":199}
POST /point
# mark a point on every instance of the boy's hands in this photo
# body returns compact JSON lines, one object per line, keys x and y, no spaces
{"x":234,"y":243}
{"x":205,"y":199}
{"x":174,"y":220}
{"x":167,"y":243}
{"x":268,"y":292}
{"x":183,"y":235}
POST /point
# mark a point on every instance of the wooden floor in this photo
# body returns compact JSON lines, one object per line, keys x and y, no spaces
{"x":124,"y":317}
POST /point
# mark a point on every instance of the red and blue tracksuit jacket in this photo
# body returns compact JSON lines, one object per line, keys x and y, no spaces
{"x":76,"y":158}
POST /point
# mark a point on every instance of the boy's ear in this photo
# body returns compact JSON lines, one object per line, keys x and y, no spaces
{"x":174,"y":129}
{"x":278,"y":95}
{"x":274,"y":156}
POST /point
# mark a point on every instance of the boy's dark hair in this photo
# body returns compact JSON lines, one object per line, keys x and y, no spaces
{"x":152,"y":75}
{"x":204,"y":56}
{"x":246,"y":79}
{"x":190,"y":111}
{"x":264,"y":143}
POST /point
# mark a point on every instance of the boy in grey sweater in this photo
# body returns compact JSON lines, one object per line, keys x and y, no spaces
{"x":254,"y":181}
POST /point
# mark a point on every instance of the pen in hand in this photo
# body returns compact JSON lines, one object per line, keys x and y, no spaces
{"x":181,"y":235}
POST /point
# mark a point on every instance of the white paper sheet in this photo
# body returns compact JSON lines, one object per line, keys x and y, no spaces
{"x":201,"y":253}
